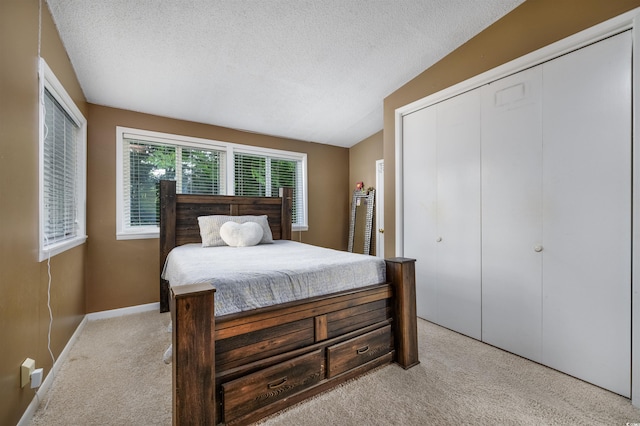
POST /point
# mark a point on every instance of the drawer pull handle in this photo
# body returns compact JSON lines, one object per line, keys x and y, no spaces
{"x":277,"y":383}
{"x":363,"y":350}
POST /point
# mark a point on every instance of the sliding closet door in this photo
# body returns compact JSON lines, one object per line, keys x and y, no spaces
{"x":441,"y":203}
{"x":512,"y":213}
{"x":587,"y":213}
{"x":419,"y":205}
{"x":458,"y":214}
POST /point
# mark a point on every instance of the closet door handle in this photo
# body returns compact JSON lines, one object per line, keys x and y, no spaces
{"x":438,"y":239}
{"x":537,"y":248}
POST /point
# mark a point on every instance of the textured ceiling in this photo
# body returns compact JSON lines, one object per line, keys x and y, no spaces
{"x":313,"y":70}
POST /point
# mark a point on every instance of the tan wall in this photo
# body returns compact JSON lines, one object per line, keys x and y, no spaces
{"x":532,"y":25}
{"x":362,"y":161}
{"x":24,"y":316}
{"x":126,"y":272}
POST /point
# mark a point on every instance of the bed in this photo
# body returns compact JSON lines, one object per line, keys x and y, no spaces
{"x":241,"y":366}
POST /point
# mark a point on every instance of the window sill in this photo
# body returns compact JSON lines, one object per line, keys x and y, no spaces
{"x":137,"y":235}
{"x":55,"y":249}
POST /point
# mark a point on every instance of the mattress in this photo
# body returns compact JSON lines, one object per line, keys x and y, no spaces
{"x":268,"y":274}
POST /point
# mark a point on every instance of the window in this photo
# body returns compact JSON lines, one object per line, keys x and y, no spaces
{"x":62,"y":168}
{"x":199,"y":166}
{"x":147,"y":161}
{"x":264,"y":175}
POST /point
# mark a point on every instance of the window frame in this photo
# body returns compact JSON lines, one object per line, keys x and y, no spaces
{"x":48,"y":81}
{"x":125,"y":232}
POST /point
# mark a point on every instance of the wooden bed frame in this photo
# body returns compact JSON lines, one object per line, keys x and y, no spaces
{"x":239,"y":368}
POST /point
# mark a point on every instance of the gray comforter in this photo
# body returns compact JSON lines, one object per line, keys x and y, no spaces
{"x":267,"y":274}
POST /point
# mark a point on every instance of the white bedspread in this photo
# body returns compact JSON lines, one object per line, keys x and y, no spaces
{"x":267,"y":274}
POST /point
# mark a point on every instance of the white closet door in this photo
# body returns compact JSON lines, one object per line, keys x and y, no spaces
{"x":419,"y":205}
{"x":512,"y":213}
{"x":587,"y":213}
{"x":458,"y":214}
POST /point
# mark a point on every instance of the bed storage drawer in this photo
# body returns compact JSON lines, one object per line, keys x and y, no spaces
{"x":359,"y":350}
{"x":259,"y":389}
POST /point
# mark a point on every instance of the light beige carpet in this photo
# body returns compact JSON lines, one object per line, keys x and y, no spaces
{"x":115,"y":376}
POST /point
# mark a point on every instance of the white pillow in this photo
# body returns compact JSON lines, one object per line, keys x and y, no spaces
{"x":241,"y":234}
{"x":210,"y":228}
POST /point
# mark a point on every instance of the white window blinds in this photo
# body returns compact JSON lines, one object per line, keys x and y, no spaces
{"x":258,"y":175}
{"x":60,"y":172}
{"x":145,"y":163}
{"x":202,"y":171}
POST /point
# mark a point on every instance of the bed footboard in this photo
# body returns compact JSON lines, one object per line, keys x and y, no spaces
{"x":402,"y":273}
{"x":274,"y":357}
{"x":193,"y":340}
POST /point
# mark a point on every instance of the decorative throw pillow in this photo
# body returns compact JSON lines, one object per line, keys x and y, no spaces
{"x":210,"y":228}
{"x":241,"y":234}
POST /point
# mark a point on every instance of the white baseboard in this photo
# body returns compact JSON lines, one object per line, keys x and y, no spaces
{"x":123,"y":311}
{"x":48,"y":381}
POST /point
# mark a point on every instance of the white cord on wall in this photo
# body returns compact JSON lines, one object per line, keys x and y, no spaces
{"x":49,"y":280}
{"x":49,"y":276}
{"x":53,"y":358}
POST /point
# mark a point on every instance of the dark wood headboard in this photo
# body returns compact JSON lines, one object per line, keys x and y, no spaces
{"x":179,"y":218}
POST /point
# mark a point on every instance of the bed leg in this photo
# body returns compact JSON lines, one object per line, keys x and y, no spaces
{"x":164,"y":295}
{"x":401,"y":272}
{"x":193,"y":338}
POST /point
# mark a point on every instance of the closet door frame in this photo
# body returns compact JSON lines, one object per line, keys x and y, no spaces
{"x":626,"y":21}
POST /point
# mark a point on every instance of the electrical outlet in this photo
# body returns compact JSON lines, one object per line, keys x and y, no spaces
{"x":27,"y":367}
